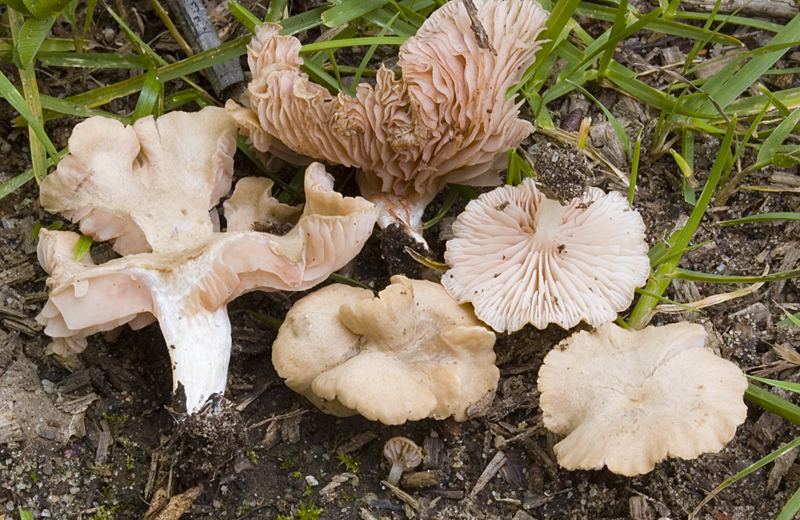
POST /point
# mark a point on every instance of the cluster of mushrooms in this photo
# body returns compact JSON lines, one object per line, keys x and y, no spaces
{"x":626,"y":399}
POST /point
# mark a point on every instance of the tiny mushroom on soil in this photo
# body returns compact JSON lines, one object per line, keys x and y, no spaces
{"x":522,"y":258}
{"x":447,"y":120}
{"x":403,"y":454}
{"x":629,"y":399}
{"x":149,"y":188}
{"x":411,"y":353}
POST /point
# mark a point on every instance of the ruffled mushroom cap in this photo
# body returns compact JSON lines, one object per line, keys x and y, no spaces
{"x":629,"y":399}
{"x":522,"y":258}
{"x":192,"y":271}
{"x":114,"y":174}
{"x":411,"y":353}
{"x":446,"y":121}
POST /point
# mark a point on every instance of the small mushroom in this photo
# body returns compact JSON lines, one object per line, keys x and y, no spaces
{"x":629,"y":399}
{"x":411,"y":353}
{"x":149,"y":187}
{"x":404,"y":455}
{"x":447,"y":120}
{"x":522,"y":258}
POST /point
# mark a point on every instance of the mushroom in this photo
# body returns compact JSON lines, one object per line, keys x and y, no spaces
{"x":149,"y":187}
{"x":403,"y":454}
{"x":629,"y":399}
{"x":522,"y":258}
{"x":411,"y":353}
{"x":446,"y":121}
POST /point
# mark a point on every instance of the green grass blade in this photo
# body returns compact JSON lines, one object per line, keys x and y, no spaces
{"x":773,"y":403}
{"x":303,"y":22}
{"x":640,"y":315}
{"x":668,"y":27}
{"x":734,"y":86}
{"x":749,"y":469}
{"x":148,"y":97}
{"x":353,"y":42}
{"x":245,"y":17}
{"x":43,"y":8}
{"x":762,"y":217}
{"x":350,"y":10}
{"x":791,"y":508}
{"x":452,"y":195}
{"x":784,"y":385}
{"x":276,"y":9}
{"x":637,"y":151}
{"x":557,"y":30}
{"x":694,"y":276}
{"x":777,"y":137}
{"x":31,"y":36}
{"x":92,"y":60}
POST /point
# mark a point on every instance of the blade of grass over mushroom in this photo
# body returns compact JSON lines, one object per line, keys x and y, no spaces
{"x":640,"y":315}
{"x":269,"y":320}
{"x":333,"y":277}
{"x":368,"y":55}
{"x":667,"y":300}
{"x":750,"y":469}
{"x":451,"y":197}
{"x":241,"y":144}
{"x":148,"y":98}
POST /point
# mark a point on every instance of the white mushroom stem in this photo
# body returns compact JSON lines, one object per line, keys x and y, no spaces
{"x":396,"y":472}
{"x":546,"y":221}
{"x":398,"y":210}
{"x":202,"y":372}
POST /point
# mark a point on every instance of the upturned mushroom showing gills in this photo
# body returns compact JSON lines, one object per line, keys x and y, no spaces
{"x":149,"y":187}
{"x":628,"y":399}
{"x":447,"y":120}
{"x":411,"y":353}
{"x":522,"y":258}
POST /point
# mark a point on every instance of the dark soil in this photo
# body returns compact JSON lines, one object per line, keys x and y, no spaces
{"x":264,"y":451}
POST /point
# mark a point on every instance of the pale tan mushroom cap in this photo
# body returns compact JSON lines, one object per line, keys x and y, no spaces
{"x":521,"y":258}
{"x":116,"y":178}
{"x":629,"y":399}
{"x":409,"y":354}
{"x":446,"y":120}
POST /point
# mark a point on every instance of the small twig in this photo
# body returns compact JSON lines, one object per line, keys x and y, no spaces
{"x":477,"y":27}
{"x":497,"y":462}
{"x":278,"y":417}
{"x":402,"y":495}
